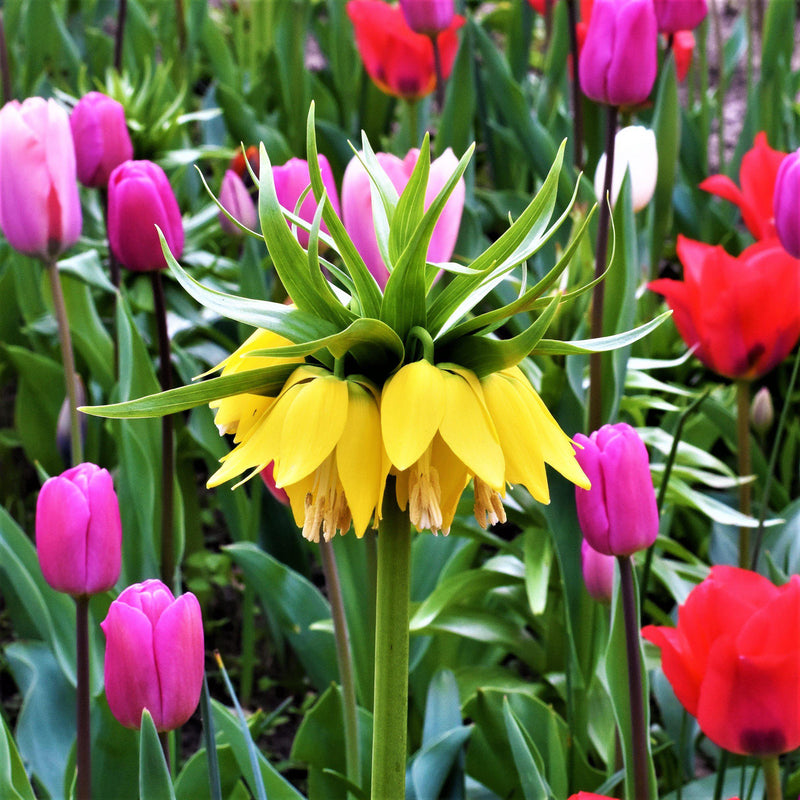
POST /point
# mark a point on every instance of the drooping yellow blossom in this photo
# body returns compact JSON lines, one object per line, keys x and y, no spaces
{"x":237,"y":414}
{"x":323,"y":435}
{"x":441,"y":427}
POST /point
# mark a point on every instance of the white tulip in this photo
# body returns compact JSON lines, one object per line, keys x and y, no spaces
{"x":635,"y":150}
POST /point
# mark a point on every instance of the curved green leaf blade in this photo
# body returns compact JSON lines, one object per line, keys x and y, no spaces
{"x":154,"y":780}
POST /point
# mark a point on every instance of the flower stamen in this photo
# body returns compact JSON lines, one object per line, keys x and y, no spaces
{"x":326,"y":506}
{"x":424,"y":495}
{"x":488,"y":504}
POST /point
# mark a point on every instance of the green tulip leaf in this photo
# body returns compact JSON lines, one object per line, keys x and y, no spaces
{"x":411,"y":205}
{"x":154,"y":779}
{"x":14,"y":784}
{"x":267,"y":381}
{"x":527,"y":759}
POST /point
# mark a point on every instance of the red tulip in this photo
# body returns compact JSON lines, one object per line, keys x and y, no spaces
{"x":741,"y":314}
{"x":683,"y":49}
{"x":757,"y":177}
{"x":734,"y":660}
{"x":399,"y":60}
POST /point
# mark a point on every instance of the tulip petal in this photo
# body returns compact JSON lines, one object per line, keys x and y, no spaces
{"x":104,"y":535}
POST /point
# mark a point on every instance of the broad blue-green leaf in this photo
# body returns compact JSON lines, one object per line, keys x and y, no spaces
{"x":154,"y":779}
{"x":435,"y":760}
{"x":526,"y":758}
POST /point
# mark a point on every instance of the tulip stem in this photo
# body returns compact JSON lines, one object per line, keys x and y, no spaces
{"x":84,"y":739}
{"x":5,"y":68}
{"x":745,"y":465}
{"x":68,"y":357}
{"x":639,"y":733}
{"x":391,"y":652}
{"x":577,"y":104}
{"x":344,"y":659}
{"x":772,"y":777}
{"x":437,"y":65}
{"x":119,"y":35}
{"x":167,"y":456}
{"x":598,"y":294}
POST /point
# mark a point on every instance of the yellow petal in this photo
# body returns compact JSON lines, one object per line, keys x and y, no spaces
{"x":557,"y":448}
{"x":518,"y":434}
{"x":312,"y":427}
{"x":412,"y":406}
{"x":453,"y":479}
{"x":297,"y":498}
{"x":467,"y":429}
{"x":359,"y":456}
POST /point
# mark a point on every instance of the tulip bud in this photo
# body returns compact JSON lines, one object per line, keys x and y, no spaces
{"x":101,"y":137}
{"x":618,"y":515}
{"x":618,"y":60}
{"x":635,"y":150}
{"x":268,"y":476}
{"x":78,"y":531}
{"x":154,"y":655}
{"x":236,"y":199}
{"x":292,"y":179}
{"x":679,"y":15}
{"x":683,"y":43}
{"x":40,"y":210}
{"x":598,"y":573}
{"x":786,"y":202}
{"x":428,"y":16}
{"x":762,"y":412}
{"x":139,"y":198}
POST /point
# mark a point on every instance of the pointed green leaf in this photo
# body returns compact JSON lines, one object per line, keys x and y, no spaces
{"x":411,"y":204}
{"x":366,"y":288}
{"x":527,"y":758}
{"x":604,"y":343}
{"x":154,"y":780}
{"x":14,"y":784}
{"x":266,"y":381}
{"x":309,"y":290}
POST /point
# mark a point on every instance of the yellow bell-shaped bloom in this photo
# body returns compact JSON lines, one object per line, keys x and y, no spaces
{"x":323,"y":435}
{"x":237,"y":414}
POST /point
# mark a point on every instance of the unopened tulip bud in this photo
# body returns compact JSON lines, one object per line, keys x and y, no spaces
{"x":762,"y":412}
{"x":679,"y":15}
{"x":139,"y":199}
{"x":40,"y":210}
{"x":598,"y":573}
{"x":236,"y":200}
{"x":618,"y":515}
{"x":619,"y":59}
{"x":786,"y":202}
{"x":634,"y":150}
{"x":428,"y":16}
{"x":78,"y":531}
{"x":101,"y":137}
{"x":154,"y":655}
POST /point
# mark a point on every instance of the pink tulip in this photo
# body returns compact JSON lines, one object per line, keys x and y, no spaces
{"x":357,"y":206}
{"x":618,"y":62}
{"x":154,"y":655}
{"x":598,"y":573}
{"x":618,"y":515}
{"x":139,"y":198}
{"x":786,"y":202}
{"x":40,"y":210}
{"x":236,"y":199}
{"x":428,"y":16}
{"x":679,"y":15}
{"x":292,"y":179}
{"x":101,"y":138}
{"x":78,"y":531}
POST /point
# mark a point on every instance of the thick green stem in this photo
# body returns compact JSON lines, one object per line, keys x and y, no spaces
{"x":391,"y":653}
{"x":577,"y":105}
{"x":344,"y":659}
{"x":167,"y":454}
{"x":745,"y":465}
{"x":772,"y":778}
{"x":437,"y":63}
{"x":68,"y":357}
{"x":411,"y":120}
{"x":639,"y":732}
{"x":84,"y":738}
{"x":598,"y":295}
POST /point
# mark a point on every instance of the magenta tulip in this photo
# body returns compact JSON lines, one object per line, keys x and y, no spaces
{"x":786,"y":202}
{"x":357,"y":206}
{"x":598,"y":573}
{"x":40,"y":210}
{"x":139,"y":198}
{"x":101,"y":137}
{"x":236,"y":200}
{"x":154,"y":655}
{"x":679,"y":15}
{"x":619,"y":57}
{"x":78,"y":531}
{"x":292,"y":179}
{"x":618,"y":515}
{"x":428,"y":16}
